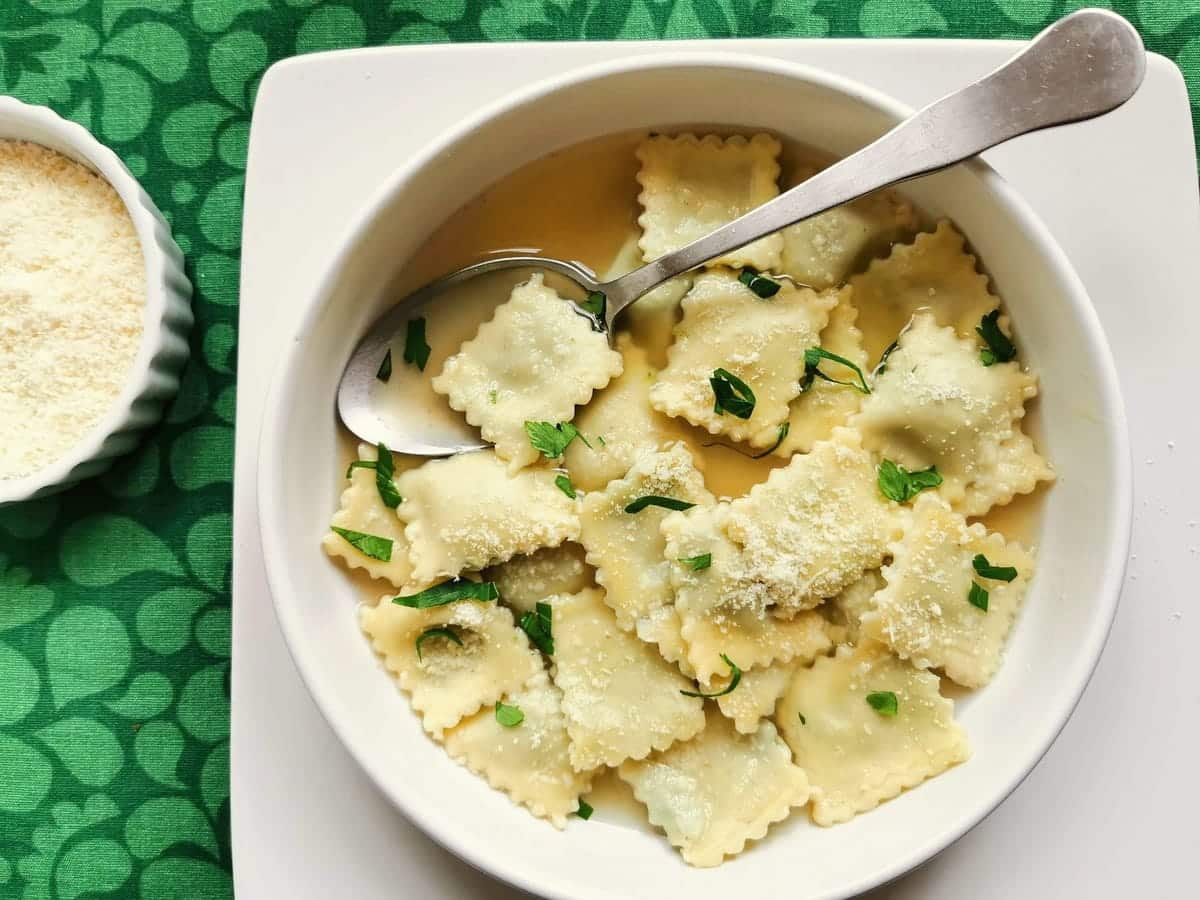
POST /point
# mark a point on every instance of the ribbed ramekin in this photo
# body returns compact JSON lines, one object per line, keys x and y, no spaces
{"x":153,"y":379}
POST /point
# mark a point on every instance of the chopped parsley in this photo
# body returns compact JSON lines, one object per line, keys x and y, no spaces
{"x":697,"y":563}
{"x":899,"y":484}
{"x":733,"y":395}
{"x":450,"y":592}
{"x":884,"y":702}
{"x":385,"y":368}
{"x":441,"y":632}
{"x":881,"y":366}
{"x":596,"y":303}
{"x":371,"y":545}
{"x":761,"y":285}
{"x":509,"y":716}
{"x":803,"y":721}
{"x":985,"y":569}
{"x":384,"y":475}
{"x":601,"y":441}
{"x":734,"y":671}
{"x":585,"y":810}
{"x":551,"y":440}
{"x":783,"y":432}
{"x":563,"y":482}
{"x":493,"y":395}
{"x":978,"y":596}
{"x":653,"y":500}
{"x":416,"y":349}
{"x":536,"y":624}
{"x":812,"y":370}
{"x":999,"y":346}
{"x":359,"y":464}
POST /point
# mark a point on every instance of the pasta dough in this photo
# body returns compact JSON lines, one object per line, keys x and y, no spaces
{"x":923,"y":613}
{"x":530,"y":762}
{"x":466,"y":513}
{"x":523,"y":581}
{"x":536,"y":360}
{"x":756,"y":694}
{"x":714,"y":793}
{"x":447,"y":681}
{"x":854,"y":602}
{"x":621,"y":699}
{"x":855,"y":757}
{"x":727,"y":326}
{"x":691,"y":186}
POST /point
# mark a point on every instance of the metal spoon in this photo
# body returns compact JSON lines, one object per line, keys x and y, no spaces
{"x":1084,"y":65}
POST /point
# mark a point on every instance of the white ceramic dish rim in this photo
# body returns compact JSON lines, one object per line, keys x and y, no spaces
{"x":165,"y":282}
{"x":1120,"y":487}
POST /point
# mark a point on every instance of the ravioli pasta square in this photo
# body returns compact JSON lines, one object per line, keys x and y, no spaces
{"x":362,"y":509}
{"x":450,"y":679}
{"x":720,"y":790}
{"x":757,"y":693}
{"x":724,"y":609}
{"x":650,"y":320}
{"x":466,"y":512}
{"x":1018,"y":468}
{"x":855,"y":757}
{"x":934,"y":272}
{"x":620,"y":425}
{"x":855,"y":601}
{"x":621,"y":699}
{"x":626,"y":548}
{"x":530,"y":762}
{"x":814,"y":526}
{"x":727,"y":326}
{"x":936,"y":404}
{"x":813,"y":415}
{"x":524,"y":581}
{"x":692,"y":186}
{"x":536,"y":360}
{"x":924,"y":613}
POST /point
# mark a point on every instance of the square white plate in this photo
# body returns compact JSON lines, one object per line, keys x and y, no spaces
{"x":1108,"y":812}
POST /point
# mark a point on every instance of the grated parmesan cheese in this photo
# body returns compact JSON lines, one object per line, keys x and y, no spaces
{"x":72,"y":294}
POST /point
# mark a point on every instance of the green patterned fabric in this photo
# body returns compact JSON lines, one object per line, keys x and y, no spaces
{"x":114,"y":597}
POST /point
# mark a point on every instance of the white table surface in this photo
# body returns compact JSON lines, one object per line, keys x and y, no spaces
{"x":1110,"y":810}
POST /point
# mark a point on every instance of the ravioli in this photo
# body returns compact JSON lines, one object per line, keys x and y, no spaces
{"x":526,"y":580}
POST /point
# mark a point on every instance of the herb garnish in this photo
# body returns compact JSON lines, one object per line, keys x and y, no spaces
{"x":812,"y":370}
{"x":653,"y":500}
{"x":385,"y":471}
{"x":595,"y":303}
{"x":999,"y":346}
{"x":585,"y":810}
{"x":371,"y":545}
{"x":978,"y":596}
{"x":899,"y":484}
{"x":385,"y":367}
{"x":563,"y":483}
{"x":493,"y":395}
{"x":536,"y":624}
{"x":509,"y":716}
{"x":884,"y":702}
{"x":436,"y":632}
{"x":733,"y":682}
{"x":733,"y":395}
{"x":416,"y":349}
{"x":450,"y":592}
{"x":762,"y":286}
{"x":986,"y":570}
{"x":551,"y":440}
{"x":697,"y":563}
{"x":803,"y":721}
{"x":881,"y":366}
{"x":783,"y":432}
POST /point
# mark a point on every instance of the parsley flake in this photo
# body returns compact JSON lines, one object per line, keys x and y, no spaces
{"x":385,"y":368}
{"x":736,"y":677}
{"x":733,"y":395}
{"x":595,"y":303}
{"x":761,"y":285}
{"x":978,"y":596}
{"x":509,"y":716}
{"x":899,"y":484}
{"x":549,"y":439}
{"x":536,"y":624}
{"x":653,"y":500}
{"x":812,"y":370}
{"x":429,"y":633}
{"x":697,"y":563}
{"x":385,"y":477}
{"x":563,"y":483}
{"x":985,"y":569}
{"x":1000,"y":347}
{"x":783,"y":432}
{"x":450,"y":592}
{"x":416,"y":349}
{"x":803,"y":721}
{"x":585,"y":810}
{"x":493,"y":396}
{"x":884,"y":702}
{"x":371,"y":545}
{"x":881,"y":366}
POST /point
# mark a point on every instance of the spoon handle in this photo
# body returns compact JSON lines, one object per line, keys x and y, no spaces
{"x":1082,"y":66}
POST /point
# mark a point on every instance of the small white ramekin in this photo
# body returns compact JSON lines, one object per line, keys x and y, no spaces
{"x":153,"y":378}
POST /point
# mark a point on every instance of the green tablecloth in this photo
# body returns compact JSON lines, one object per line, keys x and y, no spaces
{"x":114,"y":597}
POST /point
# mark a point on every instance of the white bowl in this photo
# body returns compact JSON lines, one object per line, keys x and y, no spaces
{"x":1053,"y":649}
{"x":153,"y":378}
